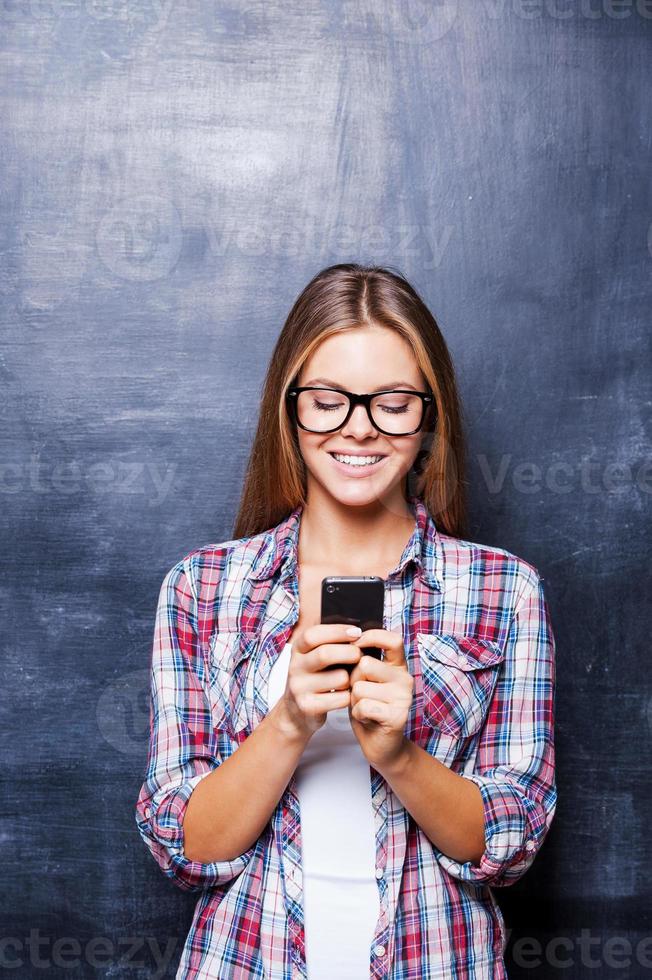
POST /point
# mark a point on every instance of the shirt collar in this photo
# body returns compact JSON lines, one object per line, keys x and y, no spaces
{"x":424,"y":548}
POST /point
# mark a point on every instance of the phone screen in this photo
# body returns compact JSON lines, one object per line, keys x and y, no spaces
{"x":355,"y":600}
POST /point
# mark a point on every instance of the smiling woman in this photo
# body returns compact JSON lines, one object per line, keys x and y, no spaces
{"x":334,"y":806}
{"x":360,"y":368}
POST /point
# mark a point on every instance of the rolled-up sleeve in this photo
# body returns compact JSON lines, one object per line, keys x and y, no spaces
{"x":515,"y":761}
{"x":183,"y":746}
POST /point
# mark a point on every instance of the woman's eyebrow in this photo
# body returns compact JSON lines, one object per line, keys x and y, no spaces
{"x":334,"y":384}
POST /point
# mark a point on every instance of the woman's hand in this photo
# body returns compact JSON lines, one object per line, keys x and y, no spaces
{"x":312,"y":676}
{"x":381,"y":696}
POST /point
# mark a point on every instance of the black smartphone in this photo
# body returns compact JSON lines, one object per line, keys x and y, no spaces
{"x":358,"y":600}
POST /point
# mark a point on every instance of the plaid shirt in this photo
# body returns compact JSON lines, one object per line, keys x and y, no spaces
{"x":479,"y":644}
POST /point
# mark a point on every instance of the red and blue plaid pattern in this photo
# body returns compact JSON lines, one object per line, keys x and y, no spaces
{"x":479,"y":644}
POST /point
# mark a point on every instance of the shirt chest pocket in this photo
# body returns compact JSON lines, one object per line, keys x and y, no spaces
{"x":459,"y":676}
{"x":231,"y":680}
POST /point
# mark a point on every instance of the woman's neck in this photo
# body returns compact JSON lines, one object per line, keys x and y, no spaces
{"x":353,"y":540}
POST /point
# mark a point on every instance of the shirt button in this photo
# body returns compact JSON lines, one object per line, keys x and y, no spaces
{"x":530,"y":845}
{"x":379,"y":950}
{"x":147,"y":812}
{"x":379,"y":872}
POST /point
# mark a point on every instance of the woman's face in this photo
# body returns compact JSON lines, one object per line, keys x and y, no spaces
{"x":361,"y":360}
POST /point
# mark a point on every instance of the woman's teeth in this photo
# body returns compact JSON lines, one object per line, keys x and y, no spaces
{"x":356,"y":460}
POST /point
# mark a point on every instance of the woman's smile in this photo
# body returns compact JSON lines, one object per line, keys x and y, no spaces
{"x":364,"y":465}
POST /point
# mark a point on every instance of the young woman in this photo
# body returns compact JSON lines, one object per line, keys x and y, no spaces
{"x":344,"y":826}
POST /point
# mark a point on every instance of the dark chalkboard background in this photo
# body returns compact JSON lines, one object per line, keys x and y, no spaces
{"x":173,"y":173}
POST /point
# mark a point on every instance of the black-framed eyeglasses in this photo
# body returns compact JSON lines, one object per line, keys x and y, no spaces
{"x":395,"y":412}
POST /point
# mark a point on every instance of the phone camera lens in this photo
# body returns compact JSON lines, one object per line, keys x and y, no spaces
{"x":330,"y":588}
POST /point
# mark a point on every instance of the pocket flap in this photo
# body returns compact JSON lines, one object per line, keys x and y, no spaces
{"x":461,"y":651}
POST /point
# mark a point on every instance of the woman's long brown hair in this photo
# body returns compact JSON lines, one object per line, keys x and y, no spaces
{"x":343,"y":297}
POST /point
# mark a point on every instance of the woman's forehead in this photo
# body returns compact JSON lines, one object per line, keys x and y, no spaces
{"x":375,"y":357}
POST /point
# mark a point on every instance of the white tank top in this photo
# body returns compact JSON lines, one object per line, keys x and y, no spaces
{"x":341,"y":899}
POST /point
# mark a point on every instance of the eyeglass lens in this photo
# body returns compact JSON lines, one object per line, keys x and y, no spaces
{"x":395,"y":412}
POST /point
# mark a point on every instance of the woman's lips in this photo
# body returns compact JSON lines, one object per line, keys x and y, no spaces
{"x":350,"y":469}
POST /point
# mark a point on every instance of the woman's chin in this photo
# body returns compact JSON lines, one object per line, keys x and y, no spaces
{"x":361,"y":492}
